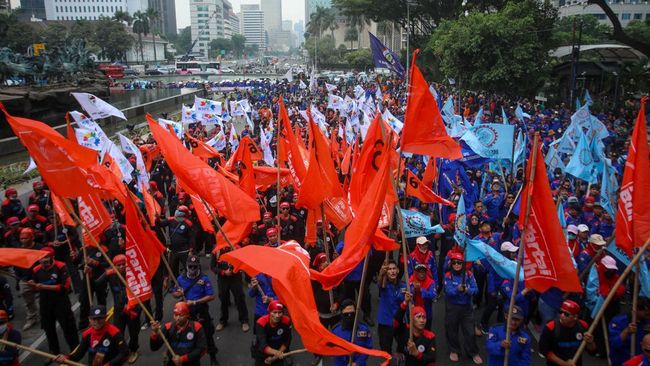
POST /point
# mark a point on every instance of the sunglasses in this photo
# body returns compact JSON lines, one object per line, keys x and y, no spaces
{"x":566,"y":313}
{"x":285,"y":209}
{"x":457,"y":262}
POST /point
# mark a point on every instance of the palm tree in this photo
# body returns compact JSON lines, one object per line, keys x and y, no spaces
{"x":140,"y":27}
{"x":123,"y":17}
{"x":153,"y":16}
{"x":321,"y":19}
{"x":351,"y":34}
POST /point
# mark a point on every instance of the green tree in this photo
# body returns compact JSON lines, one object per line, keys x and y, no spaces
{"x":54,"y":36}
{"x":639,"y":30}
{"x":153,"y":17}
{"x":593,"y":31}
{"x":123,"y":17}
{"x":238,"y":42}
{"x":327,"y":52}
{"x":183,"y":40}
{"x":320,"y":20}
{"x":351,"y":35}
{"x":505,"y":51}
{"x":360,"y":59}
{"x":112,"y":39}
{"x":16,"y":34}
{"x":216,"y":45}
{"x":140,"y":27}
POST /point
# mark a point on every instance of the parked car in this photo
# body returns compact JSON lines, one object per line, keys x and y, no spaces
{"x":131,"y":72}
{"x":227,"y":70}
{"x":153,"y":72}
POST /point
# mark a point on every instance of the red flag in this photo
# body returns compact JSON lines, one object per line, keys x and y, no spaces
{"x":201,"y":149}
{"x":202,"y":211}
{"x":149,"y":153}
{"x":290,"y":150}
{"x":62,"y":211}
{"x":424,"y":131}
{"x":417,"y":189}
{"x":266,"y":176}
{"x":252,"y":148}
{"x":218,"y":191}
{"x":247,"y":176}
{"x":362,"y":230}
{"x":633,"y":214}
{"x":22,"y":258}
{"x":365,"y":166}
{"x":143,"y":250}
{"x":151,"y":205}
{"x":70,"y":170}
{"x":69,"y":131}
{"x":430,"y":173}
{"x":289,"y":270}
{"x":235,"y":233}
{"x":547,"y":261}
{"x":94,"y":215}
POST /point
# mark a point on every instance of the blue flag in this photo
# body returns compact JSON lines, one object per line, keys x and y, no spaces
{"x":504,"y":117}
{"x":460,"y":235}
{"x":478,"y":250}
{"x":608,"y":189}
{"x":496,"y":139}
{"x":384,"y":57}
{"x":520,"y":150}
{"x":588,"y":100}
{"x":478,"y":116}
{"x":418,"y":224}
{"x":581,"y":164}
{"x":554,"y":160}
{"x":593,"y":299}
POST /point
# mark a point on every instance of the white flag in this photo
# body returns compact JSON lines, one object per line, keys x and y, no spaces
{"x":177,"y":126}
{"x":122,"y":162}
{"x":245,"y":105}
{"x":265,"y":143}
{"x":330,"y":87}
{"x":129,"y":147}
{"x":96,"y":107}
{"x":335,"y":102}
{"x":289,"y":76}
{"x":236,"y":109}
{"x":303,"y":85}
{"x":31,"y":166}
{"x":395,"y":123}
{"x":218,"y":141}
{"x":234,"y":138}
{"x":88,"y":138}
{"x":189,"y":114}
{"x":88,"y":124}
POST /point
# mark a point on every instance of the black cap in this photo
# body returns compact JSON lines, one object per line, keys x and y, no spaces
{"x":192,"y":259}
{"x":98,"y":311}
{"x":347,"y":302}
{"x":420,"y":266}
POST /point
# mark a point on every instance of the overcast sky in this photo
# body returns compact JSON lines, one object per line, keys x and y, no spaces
{"x":291,"y":10}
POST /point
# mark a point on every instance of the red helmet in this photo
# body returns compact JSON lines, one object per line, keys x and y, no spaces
{"x":275,"y":305}
{"x":49,"y":250}
{"x":3,"y":315}
{"x":268,"y":215}
{"x":26,"y":233}
{"x":182,"y":195}
{"x":181,"y":308}
{"x":153,"y":185}
{"x":418,"y":310}
{"x":119,"y":259}
{"x":33,"y":208}
{"x":319,"y":259}
{"x":456,"y":256}
{"x":13,"y":220}
{"x":184,"y":209}
{"x":271,"y":231}
{"x":285,"y":205}
{"x":570,"y":307}
{"x":37,"y":184}
{"x":10,"y":192}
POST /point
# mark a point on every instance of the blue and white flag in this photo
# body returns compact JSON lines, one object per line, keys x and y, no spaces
{"x":503,"y":116}
{"x":597,"y":128}
{"x":588,"y":100}
{"x":96,"y":107}
{"x":520,"y":150}
{"x":460,"y":234}
{"x":384,"y":57}
{"x":448,"y":107}
{"x":581,"y":164}
{"x":418,"y":224}
{"x":475,"y":144}
{"x":177,"y":126}
{"x":582,"y":117}
{"x":553,"y":159}
{"x":564,"y":144}
{"x":359,"y":92}
{"x":88,"y":138}
{"x":520,"y":113}
{"x":395,"y":123}
{"x":593,"y":299}
{"x":335,"y":102}
{"x":130,"y":148}
{"x":188,"y":114}
{"x":497,"y":139}
{"x":608,"y":189}
{"x":504,"y":267}
{"x":478,"y":117}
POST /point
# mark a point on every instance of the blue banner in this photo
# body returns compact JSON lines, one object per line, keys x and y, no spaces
{"x":497,"y":139}
{"x":418,"y":224}
{"x":384,"y":57}
{"x":478,"y":250}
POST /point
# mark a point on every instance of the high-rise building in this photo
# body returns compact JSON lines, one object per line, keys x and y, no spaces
{"x":5,"y":6}
{"x":299,"y":29}
{"x":252,"y":25}
{"x":625,"y":10}
{"x":166,"y":24}
{"x":311,"y":5}
{"x":90,"y":9}
{"x":32,"y":8}
{"x":230,"y":21}
{"x":272,"y":10}
{"x":206,"y":20}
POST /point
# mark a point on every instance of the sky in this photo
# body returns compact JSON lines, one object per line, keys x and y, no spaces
{"x":293,"y":10}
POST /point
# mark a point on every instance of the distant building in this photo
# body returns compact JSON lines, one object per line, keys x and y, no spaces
{"x":252,"y":25}
{"x":299,"y":29}
{"x":5,"y":6}
{"x":230,"y":21}
{"x":625,"y":10}
{"x":272,"y":10}
{"x":90,"y":9}
{"x":311,"y":5}
{"x":207,"y":23}
{"x":133,"y":55}
{"x":32,"y":8}
{"x":167,"y":11}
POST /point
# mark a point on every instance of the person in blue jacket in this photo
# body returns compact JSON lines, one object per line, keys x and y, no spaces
{"x":391,"y":295}
{"x":621,"y":329}
{"x":423,"y":289}
{"x":519,"y":344}
{"x":262,"y":298}
{"x":343,"y":330}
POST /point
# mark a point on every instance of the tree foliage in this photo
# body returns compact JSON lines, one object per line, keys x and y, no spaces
{"x":216,"y":45}
{"x":238,"y":44}
{"x":593,"y":32}
{"x":323,"y":47}
{"x":360,"y":59}
{"x":112,"y":39}
{"x":505,"y":51}
{"x":619,"y":33}
{"x":15,"y":34}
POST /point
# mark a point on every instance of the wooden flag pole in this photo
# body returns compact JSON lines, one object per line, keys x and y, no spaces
{"x":610,"y":296}
{"x":520,"y":255}
{"x":37,"y":352}
{"x":119,"y":275}
{"x":635,"y":303}
{"x":362,"y":287}
{"x":327,"y":248}
{"x":278,"y":188}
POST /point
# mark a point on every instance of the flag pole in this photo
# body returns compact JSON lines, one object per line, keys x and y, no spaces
{"x":362,"y":287}
{"x":635,"y":303}
{"x":610,"y":296}
{"x":37,"y":352}
{"x":327,"y":247}
{"x":278,"y":188}
{"x":520,"y":255}
{"x":119,"y":275}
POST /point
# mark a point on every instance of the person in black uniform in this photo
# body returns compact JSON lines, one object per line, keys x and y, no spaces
{"x":272,"y":336}
{"x":94,"y":265}
{"x":186,"y":337}
{"x":8,"y":355}
{"x":103,"y":342}
{"x":421,"y":350}
{"x":230,"y":282}
{"x":181,"y":237}
{"x":561,"y":338}
{"x":123,"y":315}
{"x":50,"y":278}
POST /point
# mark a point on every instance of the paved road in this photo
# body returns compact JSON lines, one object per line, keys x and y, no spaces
{"x":234,"y":344}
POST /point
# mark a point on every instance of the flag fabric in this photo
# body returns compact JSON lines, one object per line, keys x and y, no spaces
{"x":88,"y":138}
{"x":504,"y":267}
{"x":460,"y":234}
{"x":288,"y":149}
{"x":418,"y":224}
{"x":96,"y":107}
{"x":219,"y":141}
{"x":384,"y":57}
{"x":335,"y":102}
{"x":478,"y":117}
{"x":302,"y":85}
{"x":588,"y":100}
{"x":176,"y":126}
{"x":130,"y":148}
{"x":608,"y":189}
{"x":201,"y":149}
{"x":288,"y":76}
{"x":223,"y":195}
{"x":121,"y":162}
{"x":547,"y":262}
{"x":504,"y":117}
{"x":553,"y":159}
{"x":233,"y":138}
{"x":188,"y":114}
{"x":142,"y":251}
{"x":62,"y":211}
{"x":246,"y":174}
{"x":362,"y":229}
{"x":18,"y":257}
{"x":633,"y":214}
{"x":430,"y":173}
{"x":61,"y":161}
{"x":289,"y":270}
{"x":417,"y":189}
{"x":86,"y":123}
{"x":424,"y":132}
{"x":313,"y":81}
{"x":581,"y":164}
{"x":265,"y":144}
{"x":330,"y":87}
{"x":31,"y":166}
{"x":496,"y":138}
{"x":94,"y":215}
{"x":234,"y":232}
{"x":393,"y":121}
{"x":151,"y":205}
{"x":520,"y":113}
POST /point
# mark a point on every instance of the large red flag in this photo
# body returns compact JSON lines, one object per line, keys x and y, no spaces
{"x":266,"y":176}
{"x":289,"y":150}
{"x":202,"y":149}
{"x":202,"y":211}
{"x":61,"y":210}
{"x":633,"y":214}
{"x":417,"y":189}
{"x":359,"y":234}
{"x":218,"y":191}
{"x":288,"y":265}
{"x":430,"y":173}
{"x":18,"y":257}
{"x":235,"y":233}
{"x":246,"y":176}
{"x":143,"y":250}
{"x":94,"y":215}
{"x":424,"y":131}
{"x":70,"y":170}
{"x":547,"y":261}
{"x":248,"y":144}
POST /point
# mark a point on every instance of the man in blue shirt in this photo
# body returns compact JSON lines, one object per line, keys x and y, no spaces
{"x":519,"y":344}
{"x":391,"y":295}
{"x":343,"y":330}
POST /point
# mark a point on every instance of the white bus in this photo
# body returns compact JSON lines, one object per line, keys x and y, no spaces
{"x":198,"y":67}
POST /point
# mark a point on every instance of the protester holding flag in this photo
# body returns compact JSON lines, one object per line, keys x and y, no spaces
{"x":187,"y":338}
{"x":344,"y":329}
{"x":94,"y":265}
{"x":260,"y":289}
{"x":520,"y":347}
{"x":230,"y":282}
{"x":621,"y":329}
{"x":561,"y":337}
{"x":420,"y":349}
{"x":182,"y":237}
{"x":272,"y":336}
